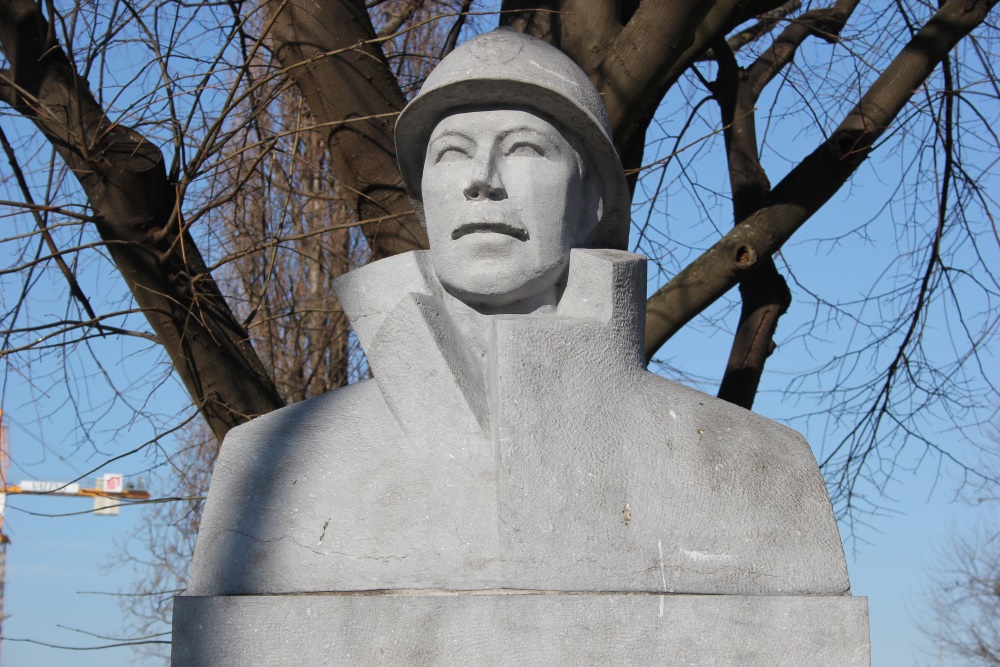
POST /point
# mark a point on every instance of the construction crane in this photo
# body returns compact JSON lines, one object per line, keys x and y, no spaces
{"x":108,"y":492}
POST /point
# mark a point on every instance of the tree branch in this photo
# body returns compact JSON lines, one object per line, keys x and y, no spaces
{"x":817,"y":178}
{"x":631,"y":75}
{"x":396,"y":22}
{"x":765,"y":295}
{"x":657,"y":45}
{"x":826,"y":23}
{"x":74,"y":286}
{"x":456,"y":29}
{"x":538,"y":18}
{"x":136,"y":214}
{"x":766,"y":23}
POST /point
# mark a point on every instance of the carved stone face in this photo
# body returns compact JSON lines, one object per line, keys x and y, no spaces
{"x":504,"y":201}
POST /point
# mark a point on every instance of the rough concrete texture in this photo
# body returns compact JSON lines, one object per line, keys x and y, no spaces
{"x":590,"y":629}
{"x":577,"y":470}
{"x":512,"y":439}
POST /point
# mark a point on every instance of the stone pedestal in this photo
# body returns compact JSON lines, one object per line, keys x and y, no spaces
{"x":496,"y":628}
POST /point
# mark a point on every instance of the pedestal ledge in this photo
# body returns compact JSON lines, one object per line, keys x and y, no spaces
{"x":511,"y":628}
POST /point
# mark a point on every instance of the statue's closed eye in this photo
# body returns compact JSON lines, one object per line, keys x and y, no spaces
{"x":451,"y":154}
{"x":525,"y":149}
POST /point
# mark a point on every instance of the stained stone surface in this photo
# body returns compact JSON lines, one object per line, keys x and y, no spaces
{"x":473,"y":630}
{"x":513,"y":487}
{"x":394,"y":483}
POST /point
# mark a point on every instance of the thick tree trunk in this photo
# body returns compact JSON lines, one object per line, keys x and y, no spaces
{"x":137,"y":216}
{"x":333,"y":55}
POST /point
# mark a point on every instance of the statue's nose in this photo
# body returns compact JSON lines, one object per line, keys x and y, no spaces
{"x":484,"y":180}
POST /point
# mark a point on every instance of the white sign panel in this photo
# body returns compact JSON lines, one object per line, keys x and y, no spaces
{"x":106,"y":506}
{"x":55,"y":488}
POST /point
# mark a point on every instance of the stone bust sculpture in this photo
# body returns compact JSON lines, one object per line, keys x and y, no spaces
{"x":511,"y":438}
{"x":513,"y":487}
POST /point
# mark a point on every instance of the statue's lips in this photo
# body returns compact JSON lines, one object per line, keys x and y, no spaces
{"x":490,"y":228}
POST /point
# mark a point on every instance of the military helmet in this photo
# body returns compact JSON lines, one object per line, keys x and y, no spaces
{"x":506,"y":68}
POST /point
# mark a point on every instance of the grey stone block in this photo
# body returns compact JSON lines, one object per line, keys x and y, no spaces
{"x":521,"y":629}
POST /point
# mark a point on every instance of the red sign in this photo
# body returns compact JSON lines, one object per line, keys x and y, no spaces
{"x":113,"y":483}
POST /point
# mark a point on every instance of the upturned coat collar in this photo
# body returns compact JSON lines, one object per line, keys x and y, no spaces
{"x":434,"y":378}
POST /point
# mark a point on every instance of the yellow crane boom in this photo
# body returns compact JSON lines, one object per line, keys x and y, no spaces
{"x":76,"y":490}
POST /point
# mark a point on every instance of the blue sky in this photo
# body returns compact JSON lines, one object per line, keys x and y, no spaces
{"x":58,"y":582}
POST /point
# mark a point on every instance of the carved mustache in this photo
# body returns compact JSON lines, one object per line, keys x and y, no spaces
{"x":492,"y":227}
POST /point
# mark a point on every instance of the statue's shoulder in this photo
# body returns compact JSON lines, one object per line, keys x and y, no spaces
{"x":277,"y":472}
{"x":345,"y":407}
{"x":754,"y":480}
{"x":726,"y":425}
{"x":299,"y":440}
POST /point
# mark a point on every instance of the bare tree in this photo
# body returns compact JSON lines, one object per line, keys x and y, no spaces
{"x":229,"y":160}
{"x":964,"y":594}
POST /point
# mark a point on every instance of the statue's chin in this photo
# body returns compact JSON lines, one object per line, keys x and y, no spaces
{"x":497,"y":298}
{"x":514,"y":284}
{"x":498,"y":302}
